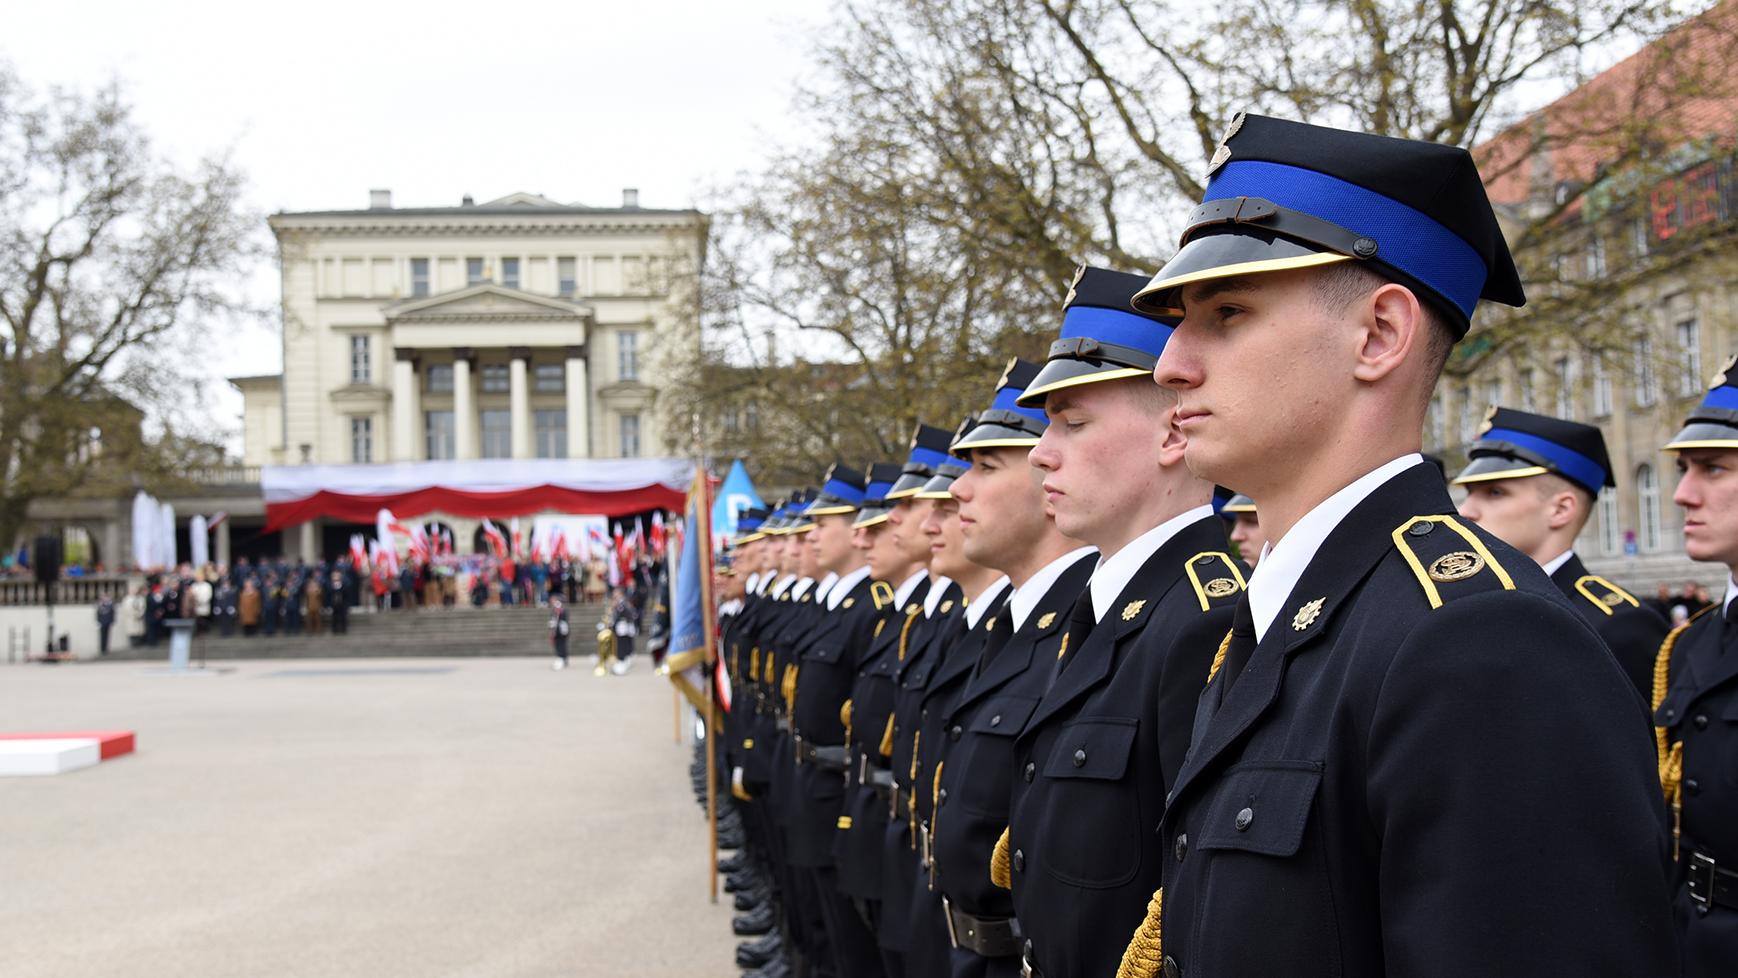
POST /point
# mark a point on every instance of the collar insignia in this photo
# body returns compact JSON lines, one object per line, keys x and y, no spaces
{"x":947,"y":606}
{"x":1133,"y":608}
{"x":1044,"y":622}
{"x":912,"y":609}
{"x":990,"y":626}
{"x":1307,"y":615}
{"x":1064,"y":649}
{"x":850,"y":601}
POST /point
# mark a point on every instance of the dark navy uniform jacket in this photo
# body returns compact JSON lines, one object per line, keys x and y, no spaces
{"x":1098,"y":756}
{"x":971,"y":809}
{"x":1391,"y":787}
{"x":825,"y":658}
{"x":1632,"y":630}
{"x":1700,"y":711}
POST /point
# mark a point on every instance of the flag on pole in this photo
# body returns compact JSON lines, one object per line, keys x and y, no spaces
{"x":735,"y":495}
{"x":518,"y":540}
{"x":691,"y":617}
{"x":657,"y":534}
{"x":358,"y":550}
{"x":497,"y":540}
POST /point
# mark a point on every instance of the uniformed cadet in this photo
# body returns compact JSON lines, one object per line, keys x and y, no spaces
{"x":1082,"y":853}
{"x":1415,"y":757}
{"x":1245,"y":528}
{"x":1006,"y":526}
{"x":931,"y":676}
{"x":821,"y":666}
{"x":1696,"y":695}
{"x":1532,"y":480}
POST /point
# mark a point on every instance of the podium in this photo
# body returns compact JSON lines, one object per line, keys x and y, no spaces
{"x":180,"y":642}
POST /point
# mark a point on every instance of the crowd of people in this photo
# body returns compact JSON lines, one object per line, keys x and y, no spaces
{"x":1017,"y":705}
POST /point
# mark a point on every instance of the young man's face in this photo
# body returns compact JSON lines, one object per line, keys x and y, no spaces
{"x":832,"y":542}
{"x":1246,"y":533}
{"x":905,"y":525}
{"x":882,"y":551}
{"x":1257,"y":364}
{"x":791,"y":553}
{"x":1708,"y":493}
{"x":1001,"y":507}
{"x":1513,"y":509}
{"x":808,"y":562}
{"x":941,"y":528}
{"x":1101,"y":452}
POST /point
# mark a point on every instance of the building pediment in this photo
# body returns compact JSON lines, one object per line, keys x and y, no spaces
{"x":486,"y":302}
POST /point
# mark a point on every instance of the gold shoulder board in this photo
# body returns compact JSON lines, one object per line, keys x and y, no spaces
{"x":1603,"y":594}
{"x":1215,"y":577}
{"x":882,"y":592}
{"x":1448,"y":559}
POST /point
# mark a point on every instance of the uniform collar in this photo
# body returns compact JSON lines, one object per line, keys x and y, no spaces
{"x":844,"y":586}
{"x":937,"y":588}
{"x":802,"y":584}
{"x":903,"y":592}
{"x":1284,"y":562}
{"x":826,"y":586}
{"x":1556,"y":563}
{"x":730,"y":607}
{"x":1027,"y":595}
{"x":754,"y":582}
{"x":1115,"y":571}
{"x":979,"y":606}
{"x":782,"y":585}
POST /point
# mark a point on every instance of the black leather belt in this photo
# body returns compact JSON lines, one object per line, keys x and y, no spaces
{"x":1710,"y":886}
{"x":1027,"y":968}
{"x":831,"y":758}
{"x":988,"y":937}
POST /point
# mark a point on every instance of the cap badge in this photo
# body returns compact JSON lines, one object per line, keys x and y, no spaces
{"x":1457,"y":566}
{"x":1220,"y":587}
{"x":1079,"y":273}
{"x":1007,"y":372}
{"x":1307,"y":615}
{"x":1720,"y":378}
{"x":1223,"y":152}
{"x":1490,"y":419}
{"x":1133,"y":608}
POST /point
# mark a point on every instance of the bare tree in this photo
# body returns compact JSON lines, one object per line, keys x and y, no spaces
{"x":111,"y":262}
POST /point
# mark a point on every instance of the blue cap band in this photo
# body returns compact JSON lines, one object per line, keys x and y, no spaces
{"x":748,"y":523}
{"x":1112,"y":326}
{"x":928,"y":457}
{"x":1570,"y":463}
{"x":878,"y":490}
{"x":1408,"y":240}
{"x":1005,"y":399}
{"x":842,"y":490}
{"x":1724,"y":398}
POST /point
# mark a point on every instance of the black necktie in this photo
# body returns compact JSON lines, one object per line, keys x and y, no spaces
{"x":1080,"y":623}
{"x":1242,"y":641}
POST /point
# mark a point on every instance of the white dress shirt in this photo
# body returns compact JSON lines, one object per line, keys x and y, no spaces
{"x":753,"y":582}
{"x":1027,"y":595}
{"x":1556,"y":563}
{"x":1114,"y":572}
{"x":844,"y":586}
{"x":782,"y":585}
{"x":825,"y":587}
{"x":933,"y":598}
{"x":976,"y":607}
{"x":902,"y":593}
{"x":802,"y":585}
{"x":1282,"y":563}
{"x":1731,"y":592}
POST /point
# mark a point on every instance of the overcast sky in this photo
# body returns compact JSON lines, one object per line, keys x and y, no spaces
{"x":318,"y":102}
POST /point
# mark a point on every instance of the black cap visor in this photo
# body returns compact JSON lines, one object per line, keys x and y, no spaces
{"x":1224,"y":252}
{"x":1065,"y":372}
{"x":1489,"y":468}
{"x":1702,"y":433}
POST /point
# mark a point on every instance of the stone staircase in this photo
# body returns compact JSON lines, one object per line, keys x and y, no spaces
{"x":439,"y":633}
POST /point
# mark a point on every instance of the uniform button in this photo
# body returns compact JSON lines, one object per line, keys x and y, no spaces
{"x":1671,"y":715}
{"x":925,"y":714}
{"x":1031,"y":771}
{"x":996,"y":720}
{"x":1701,"y":721}
{"x":941,"y":796}
{"x":1172,"y":968}
{"x":1019,"y":861}
{"x":1244,"y":817}
{"x":1079,"y":757}
{"x":1693,"y":786}
{"x":1422,"y":529}
{"x":1181,"y":849}
{"x":954,"y":734}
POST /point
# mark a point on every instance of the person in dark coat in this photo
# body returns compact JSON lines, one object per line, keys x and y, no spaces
{"x":272,"y":605}
{"x":105,"y":621}
{"x":1696,"y":695}
{"x":225,"y":607}
{"x":338,"y":598}
{"x":1104,"y":745}
{"x":558,"y":630}
{"x":1532,"y":480}
{"x":1414,"y":756}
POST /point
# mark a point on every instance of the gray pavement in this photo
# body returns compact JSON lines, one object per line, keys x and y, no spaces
{"x":469,"y":818}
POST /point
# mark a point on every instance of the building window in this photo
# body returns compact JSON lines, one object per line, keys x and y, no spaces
{"x":567,"y":277}
{"x":731,"y":420}
{"x":1524,"y":389}
{"x":1493,"y":393}
{"x":1432,"y":424}
{"x":1564,"y":372}
{"x":551,"y":431}
{"x":361,"y":439}
{"x":473,"y":271}
{"x":1608,"y":536}
{"x":1647,"y":388}
{"x":497,"y":431}
{"x":1690,"y":378}
{"x":549,"y":378}
{"x":496,"y":378}
{"x":1596,"y":258}
{"x":1638,"y":237}
{"x":1648,"y":490}
{"x":1468,"y":425}
{"x":440,"y":379}
{"x":630,"y":435}
{"x":438,"y":427}
{"x":360,"y":370}
{"x":627,"y":355}
{"x":1601,"y":387}
{"x":418,"y":278}
{"x":751,"y":418}
{"x":510,"y":272}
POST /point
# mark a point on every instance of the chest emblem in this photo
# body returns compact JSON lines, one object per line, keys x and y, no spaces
{"x":1456,"y":566}
{"x":1220,"y":587}
{"x":1307,"y":615}
{"x":1044,"y":622}
{"x":1064,"y":649}
{"x":1133,"y":608}
{"x":850,"y":601}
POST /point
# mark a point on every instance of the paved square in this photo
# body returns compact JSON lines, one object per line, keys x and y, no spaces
{"x":470,"y":817}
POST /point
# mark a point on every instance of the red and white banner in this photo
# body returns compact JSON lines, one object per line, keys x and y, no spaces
{"x":473,"y":488}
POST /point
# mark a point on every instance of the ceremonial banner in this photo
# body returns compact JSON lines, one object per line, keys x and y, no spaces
{"x":735,"y":495}
{"x":691,"y":601}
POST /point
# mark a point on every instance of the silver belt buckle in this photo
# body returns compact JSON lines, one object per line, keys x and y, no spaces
{"x":1026,"y":968}
{"x":1701,"y":872}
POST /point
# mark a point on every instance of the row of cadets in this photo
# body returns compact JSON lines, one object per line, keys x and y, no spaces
{"x":1097,"y":756}
{"x":1006,"y":526}
{"x":890,"y":534}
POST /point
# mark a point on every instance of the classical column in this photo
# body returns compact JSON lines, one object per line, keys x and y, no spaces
{"x":578,"y":400}
{"x":406,"y":406}
{"x":310,"y":548}
{"x":464,"y":404}
{"x":222,"y":533}
{"x":519,"y":400}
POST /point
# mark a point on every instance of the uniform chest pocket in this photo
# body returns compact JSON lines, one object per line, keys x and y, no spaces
{"x":1262,"y":808}
{"x":1671,"y":709}
{"x":1003,"y":716}
{"x":828,"y":652}
{"x":916,"y":678}
{"x":1096,"y":750}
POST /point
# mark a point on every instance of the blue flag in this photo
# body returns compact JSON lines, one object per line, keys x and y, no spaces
{"x":691,"y":604}
{"x":735,"y":495}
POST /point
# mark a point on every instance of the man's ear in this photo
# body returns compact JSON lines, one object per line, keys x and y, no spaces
{"x":1172,"y":446}
{"x":1392,"y":326}
{"x":1564,"y":509}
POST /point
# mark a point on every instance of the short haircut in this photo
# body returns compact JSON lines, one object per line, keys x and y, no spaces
{"x":1340,"y":284}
